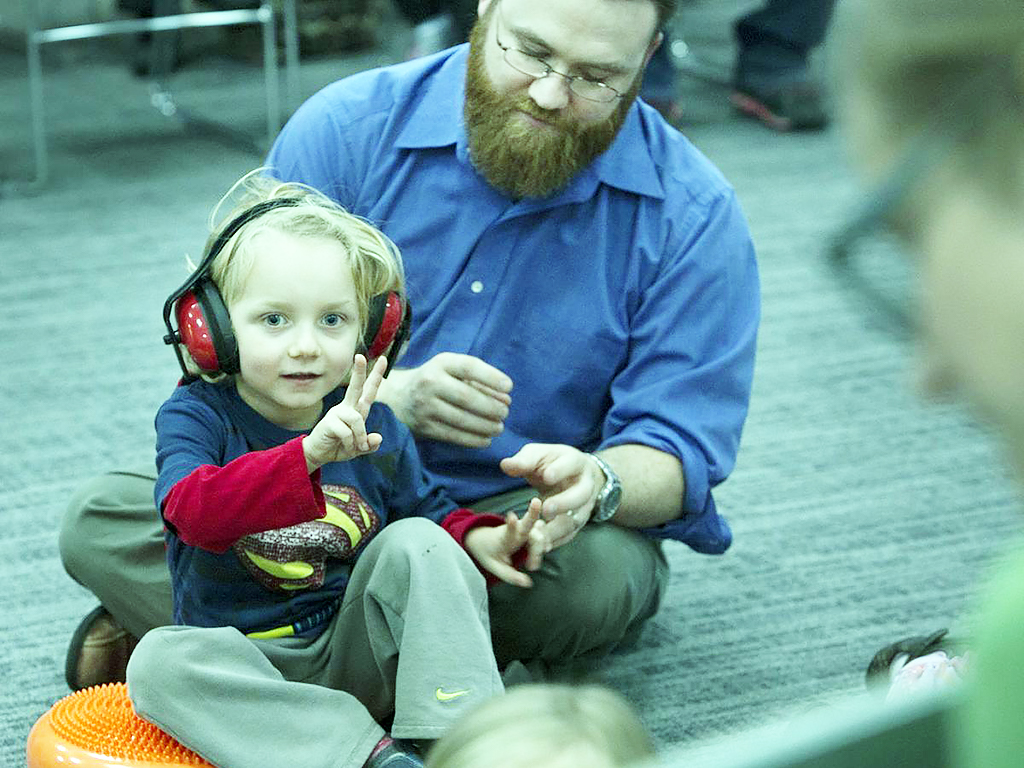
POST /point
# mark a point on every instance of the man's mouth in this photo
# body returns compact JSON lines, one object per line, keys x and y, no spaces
{"x":537,"y":120}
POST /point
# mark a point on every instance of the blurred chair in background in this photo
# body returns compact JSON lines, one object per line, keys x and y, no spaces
{"x":162,"y":20}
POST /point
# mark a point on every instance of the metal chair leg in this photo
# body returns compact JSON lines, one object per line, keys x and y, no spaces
{"x":169,"y":24}
{"x":291,"y":54}
{"x":35,"y":87}
{"x":270,"y":73}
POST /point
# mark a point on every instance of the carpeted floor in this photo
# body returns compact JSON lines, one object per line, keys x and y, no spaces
{"x":860,"y":513}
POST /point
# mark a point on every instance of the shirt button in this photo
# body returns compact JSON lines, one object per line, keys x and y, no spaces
{"x":476,"y":286}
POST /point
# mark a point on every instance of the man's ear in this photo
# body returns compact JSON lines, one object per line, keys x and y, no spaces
{"x":651,"y":48}
{"x":481,"y":7}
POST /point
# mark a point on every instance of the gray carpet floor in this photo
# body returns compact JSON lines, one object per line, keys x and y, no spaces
{"x":861,"y":514}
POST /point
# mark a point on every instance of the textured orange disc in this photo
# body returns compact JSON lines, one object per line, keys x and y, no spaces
{"x":98,"y":727}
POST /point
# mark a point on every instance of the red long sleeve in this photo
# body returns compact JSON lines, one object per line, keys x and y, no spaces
{"x":215,"y":506}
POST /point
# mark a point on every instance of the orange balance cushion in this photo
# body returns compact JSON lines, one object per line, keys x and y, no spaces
{"x":97,"y":727}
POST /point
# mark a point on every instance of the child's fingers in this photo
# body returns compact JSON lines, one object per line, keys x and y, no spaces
{"x":344,"y":438}
{"x":536,"y":547}
{"x":371,"y":385}
{"x":345,"y":427}
{"x":533,"y":512}
{"x":507,"y":573}
{"x":526,"y":524}
{"x":356,"y":380}
{"x":354,"y":424}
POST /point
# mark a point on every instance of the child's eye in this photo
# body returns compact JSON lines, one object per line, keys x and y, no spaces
{"x":333,"y":320}
{"x":274,"y":319}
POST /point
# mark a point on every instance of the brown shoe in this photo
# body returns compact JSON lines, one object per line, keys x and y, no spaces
{"x":99,"y":651}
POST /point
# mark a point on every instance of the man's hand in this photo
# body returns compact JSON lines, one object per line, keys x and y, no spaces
{"x":568,"y":481}
{"x":493,"y":547}
{"x":341,"y":433}
{"x":454,"y":398}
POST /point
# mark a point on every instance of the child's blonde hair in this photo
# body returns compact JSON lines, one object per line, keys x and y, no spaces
{"x":546,"y":725}
{"x":375,"y":261}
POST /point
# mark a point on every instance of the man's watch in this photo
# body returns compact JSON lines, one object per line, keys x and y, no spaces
{"x":610,"y":496}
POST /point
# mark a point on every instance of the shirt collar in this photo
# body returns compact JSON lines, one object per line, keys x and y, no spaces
{"x":627,"y":164}
{"x":430,"y":123}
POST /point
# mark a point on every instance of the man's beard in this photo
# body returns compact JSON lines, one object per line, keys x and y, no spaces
{"x":515,"y":157}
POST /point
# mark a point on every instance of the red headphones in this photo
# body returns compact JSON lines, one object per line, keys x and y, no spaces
{"x":204,"y":325}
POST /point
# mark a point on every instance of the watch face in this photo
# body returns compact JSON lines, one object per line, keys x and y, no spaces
{"x":609,"y":504}
{"x":614,"y":497}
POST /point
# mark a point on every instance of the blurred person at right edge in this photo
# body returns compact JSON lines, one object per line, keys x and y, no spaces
{"x":931,"y":97}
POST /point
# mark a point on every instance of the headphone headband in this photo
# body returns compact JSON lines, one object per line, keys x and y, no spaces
{"x":226,"y":359}
{"x":202,"y":322}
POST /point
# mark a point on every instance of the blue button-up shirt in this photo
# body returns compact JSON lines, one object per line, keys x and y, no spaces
{"x":624,"y":308}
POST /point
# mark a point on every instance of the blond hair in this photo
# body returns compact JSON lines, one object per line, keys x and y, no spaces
{"x":546,"y":726}
{"x":947,"y":67}
{"x":375,"y":261}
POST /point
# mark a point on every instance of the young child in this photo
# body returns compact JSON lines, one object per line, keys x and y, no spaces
{"x":315,"y":595}
{"x":547,"y":726}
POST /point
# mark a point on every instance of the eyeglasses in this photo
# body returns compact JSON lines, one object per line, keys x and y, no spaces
{"x":869,"y":253}
{"x":537,"y":68}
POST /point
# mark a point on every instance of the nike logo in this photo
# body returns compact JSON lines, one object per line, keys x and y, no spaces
{"x":443,"y":695}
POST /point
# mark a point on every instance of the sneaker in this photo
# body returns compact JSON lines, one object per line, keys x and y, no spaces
{"x":899,"y":653}
{"x":98,"y":652}
{"x":393,"y":753}
{"x":787,"y":106}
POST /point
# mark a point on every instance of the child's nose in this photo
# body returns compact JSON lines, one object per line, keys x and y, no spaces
{"x":304,"y":343}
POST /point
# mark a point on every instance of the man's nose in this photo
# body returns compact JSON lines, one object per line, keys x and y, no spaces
{"x":551,"y":91}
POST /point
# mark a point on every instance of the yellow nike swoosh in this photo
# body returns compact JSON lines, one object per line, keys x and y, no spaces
{"x":443,"y":695}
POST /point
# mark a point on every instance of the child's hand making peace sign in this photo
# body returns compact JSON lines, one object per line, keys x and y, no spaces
{"x":341,"y":433}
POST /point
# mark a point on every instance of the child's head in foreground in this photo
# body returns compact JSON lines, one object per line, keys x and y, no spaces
{"x":297,"y":281}
{"x":546,"y":726}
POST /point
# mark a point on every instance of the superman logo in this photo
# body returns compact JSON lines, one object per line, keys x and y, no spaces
{"x":293,"y":558}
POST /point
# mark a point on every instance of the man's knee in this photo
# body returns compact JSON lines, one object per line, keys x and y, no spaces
{"x":607,"y":571}
{"x":74,"y":537}
{"x":102,"y":504}
{"x":588,"y":597}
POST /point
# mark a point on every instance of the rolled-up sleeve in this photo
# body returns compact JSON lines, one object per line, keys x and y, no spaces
{"x":686,"y":387}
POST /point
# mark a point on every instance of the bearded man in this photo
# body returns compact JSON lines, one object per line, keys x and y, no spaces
{"x":582,"y":279}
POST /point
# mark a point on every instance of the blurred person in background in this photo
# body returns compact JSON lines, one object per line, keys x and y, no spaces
{"x":931,"y":95}
{"x":546,"y":726}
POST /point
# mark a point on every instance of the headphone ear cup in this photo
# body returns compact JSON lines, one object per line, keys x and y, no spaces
{"x":387,"y":326}
{"x":205,"y":328}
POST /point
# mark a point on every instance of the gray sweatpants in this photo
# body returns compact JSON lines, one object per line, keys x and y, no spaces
{"x":590,"y":597}
{"x":411,"y":638}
